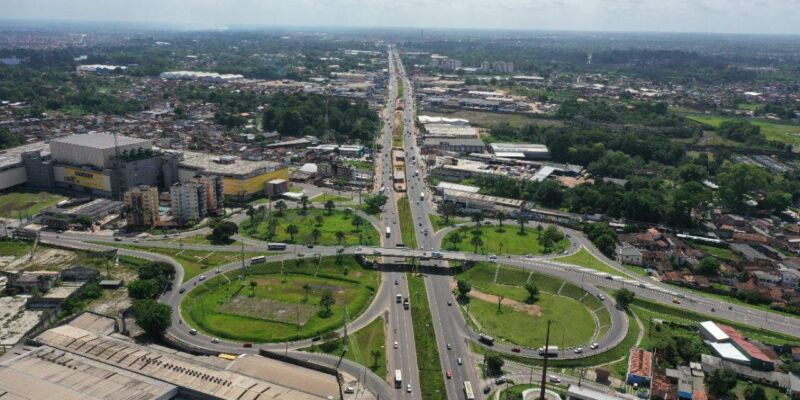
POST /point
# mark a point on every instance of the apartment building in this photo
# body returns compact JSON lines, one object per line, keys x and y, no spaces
{"x":188,"y":201}
{"x":142,"y":206}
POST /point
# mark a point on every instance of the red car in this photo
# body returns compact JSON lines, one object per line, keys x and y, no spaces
{"x":516,"y":349}
{"x":248,"y":344}
{"x":449,"y":374}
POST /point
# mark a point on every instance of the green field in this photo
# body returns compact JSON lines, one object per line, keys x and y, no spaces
{"x":285,"y":303}
{"x":430,"y":368}
{"x":13,"y":247}
{"x":407,"y":231}
{"x":585,"y":259}
{"x":522,"y":324}
{"x":194,"y":262}
{"x":367,"y":347}
{"x":786,"y":133}
{"x":486,"y":119}
{"x":306,"y":223}
{"x":497,"y":241}
{"x":721,"y":253}
{"x":22,"y":204}
{"x":323,"y":198}
{"x":438,"y":221}
{"x":772,"y":393}
{"x":364,"y":166}
{"x":201,"y":239}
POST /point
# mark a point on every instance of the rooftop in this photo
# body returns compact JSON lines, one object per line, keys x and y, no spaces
{"x":210,"y":164}
{"x":728,"y":351}
{"x":100,"y":140}
{"x":13,"y":156}
{"x":640,"y":362}
{"x":714,"y":330}
{"x":745,"y":345}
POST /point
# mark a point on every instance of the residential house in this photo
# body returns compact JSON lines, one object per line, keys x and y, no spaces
{"x":629,"y":254}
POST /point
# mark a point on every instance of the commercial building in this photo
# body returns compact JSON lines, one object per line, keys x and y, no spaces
{"x":640,"y":367}
{"x":99,"y":68}
{"x":211,"y":77}
{"x":452,"y":144}
{"x":241,"y":179}
{"x":474,"y":202}
{"x":520,"y":150}
{"x":81,"y":361}
{"x":142,"y":206}
{"x":188,"y":202}
{"x":505,"y":67}
{"x":444,"y":62}
{"x":728,"y":344}
{"x":214,"y":191}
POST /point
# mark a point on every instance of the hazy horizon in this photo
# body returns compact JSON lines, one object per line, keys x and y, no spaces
{"x":645,"y":16}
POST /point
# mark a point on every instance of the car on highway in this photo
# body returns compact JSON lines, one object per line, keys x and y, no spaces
{"x":218,"y":270}
{"x":449,"y":346}
{"x":500,"y":380}
{"x":396,"y":345}
{"x":247,"y":344}
{"x":408,"y":388}
{"x":181,"y":290}
{"x":578,"y":350}
{"x":554,"y":379}
{"x":202,"y":278}
{"x":449,"y":302}
{"x":516,"y":349}
{"x":376,"y":252}
{"x":594,"y":346}
{"x":449,"y":374}
{"x":193,"y":331}
{"x":349,"y":390}
{"x":396,"y":282}
{"x":458,"y":361}
{"x":214,"y":340}
{"x":601,"y":296}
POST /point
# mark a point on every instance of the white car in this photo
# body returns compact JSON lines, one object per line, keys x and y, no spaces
{"x":594,"y":346}
{"x":202,"y":278}
{"x":555,"y":379}
{"x":578,"y":350}
{"x":458,"y":361}
{"x":396,"y":345}
{"x":218,"y":270}
{"x":214,"y":340}
{"x":408,"y":388}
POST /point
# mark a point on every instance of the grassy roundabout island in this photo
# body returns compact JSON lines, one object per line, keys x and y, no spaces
{"x":520,"y":320}
{"x":507,"y":239}
{"x":281,"y":301}
{"x":314,"y":225}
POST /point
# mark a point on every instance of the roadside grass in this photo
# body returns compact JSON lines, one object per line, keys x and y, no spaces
{"x":367,"y":347}
{"x":430,"y":368}
{"x":399,"y":88}
{"x":284,"y":304}
{"x":397,"y":130}
{"x":649,"y":310}
{"x":782,"y":132}
{"x":439,"y":223}
{"x":324,"y":197}
{"x":27,"y":204}
{"x":14,"y":247}
{"x":306,"y":223}
{"x":571,"y":308}
{"x":507,"y":240}
{"x":407,"y":231}
{"x":201,"y":239}
{"x":771,"y":392}
{"x":585,"y":259}
{"x":487,"y":119}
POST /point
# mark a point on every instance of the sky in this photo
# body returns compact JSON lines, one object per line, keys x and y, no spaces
{"x":724,"y":16}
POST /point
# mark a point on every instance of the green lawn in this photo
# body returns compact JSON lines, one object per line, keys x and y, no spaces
{"x":306,"y":223}
{"x":201,"y":239}
{"x":16,"y":204}
{"x":407,"y":230}
{"x":585,"y":259}
{"x":194,"y":262}
{"x":569,"y":309}
{"x":367,"y":347}
{"x":772,"y":393}
{"x":439,"y":223}
{"x":507,"y":240}
{"x":786,"y":133}
{"x":280,"y":308}
{"x":487,"y":119}
{"x":721,"y":253}
{"x":430,"y":368}
{"x":323,"y":198}
{"x":364,"y":166}
{"x":397,"y":131}
{"x":14,"y":247}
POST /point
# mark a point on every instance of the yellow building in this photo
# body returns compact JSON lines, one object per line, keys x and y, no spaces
{"x":142,"y":206}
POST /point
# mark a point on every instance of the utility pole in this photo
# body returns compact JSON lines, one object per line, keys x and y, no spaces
{"x":244,"y":271}
{"x":546,"y":356}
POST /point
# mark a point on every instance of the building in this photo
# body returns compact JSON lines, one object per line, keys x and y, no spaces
{"x":444,"y":62}
{"x":689,"y":382}
{"x":99,"y":68}
{"x":82,"y":361}
{"x":242,"y":179}
{"x":728,"y":344}
{"x":31,"y":281}
{"x":576,"y":392}
{"x":215,"y":192}
{"x":452,"y":144}
{"x":276,"y":187}
{"x":188,"y":202}
{"x":521,"y":150}
{"x":640,"y":367}
{"x":475,"y":202}
{"x":211,"y":77}
{"x":629,"y":254}
{"x":141,"y":204}
{"x":442,"y":186}
{"x":498,"y":66}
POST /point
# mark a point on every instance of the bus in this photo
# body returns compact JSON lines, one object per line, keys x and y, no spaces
{"x":398,"y":378}
{"x":276,"y":246}
{"x":550,"y":351}
{"x":468,"y":394}
{"x":258,"y":260}
{"x":487,"y":339}
{"x":388,"y":231}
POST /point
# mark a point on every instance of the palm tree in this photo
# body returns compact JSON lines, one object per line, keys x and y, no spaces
{"x":315,"y":234}
{"x":281,"y":206}
{"x":539,"y":230}
{"x":456,"y":239}
{"x":339,"y":237}
{"x":476,"y":242}
{"x":253,"y":285}
{"x":319,"y":219}
{"x":347,"y":212}
{"x":500,"y":217}
{"x":329,"y":206}
{"x":292,"y":230}
{"x":521,"y":222}
{"x":304,"y":202}
{"x":306,"y":288}
{"x":357,"y":222}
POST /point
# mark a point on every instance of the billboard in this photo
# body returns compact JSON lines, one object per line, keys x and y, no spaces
{"x":84,"y":178}
{"x":256,"y":184}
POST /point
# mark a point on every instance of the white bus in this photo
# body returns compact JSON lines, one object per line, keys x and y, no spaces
{"x":398,"y":378}
{"x":258,"y":260}
{"x":468,"y":394}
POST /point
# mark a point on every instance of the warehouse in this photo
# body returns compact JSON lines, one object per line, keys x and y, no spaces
{"x":12,"y":165}
{"x":521,"y":150}
{"x":242,"y":179}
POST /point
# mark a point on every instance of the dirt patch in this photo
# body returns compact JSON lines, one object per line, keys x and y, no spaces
{"x":531,"y":309}
{"x":269,"y":310}
{"x":45,"y":258}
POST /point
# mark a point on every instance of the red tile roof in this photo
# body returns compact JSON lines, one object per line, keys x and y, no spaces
{"x":640,"y":362}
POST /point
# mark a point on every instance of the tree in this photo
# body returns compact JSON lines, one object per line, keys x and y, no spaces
{"x":539,"y":229}
{"x":500,"y":217}
{"x":447,"y":209}
{"x":326,"y":302}
{"x":223,"y":231}
{"x":339,"y":237}
{"x":315,"y":234}
{"x":374,"y":203}
{"x":476,"y":242}
{"x":456,"y":239}
{"x":754,"y":392}
{"x":281,"y":206}
{"x":357,"y":222}
{"x":494,"y":365}
{"x":304,"y":202}
{"x":624,"y":298}
{"x":720,"y":382}
{"x":329,"y":206}
{"x":550,"y":237}
{"x":463,"y":288}
{"x":521,"y":221}
{"x":253,"y":285}
{"x":709,"y":266}
{"x":533,"y":293}
{"x":477,"y":218}
{"x":141,"y":289}
{"x":319,"y":219}
{"x":306,"y":288}
{"x":152,"y":316}
{"x":292,"y":230}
